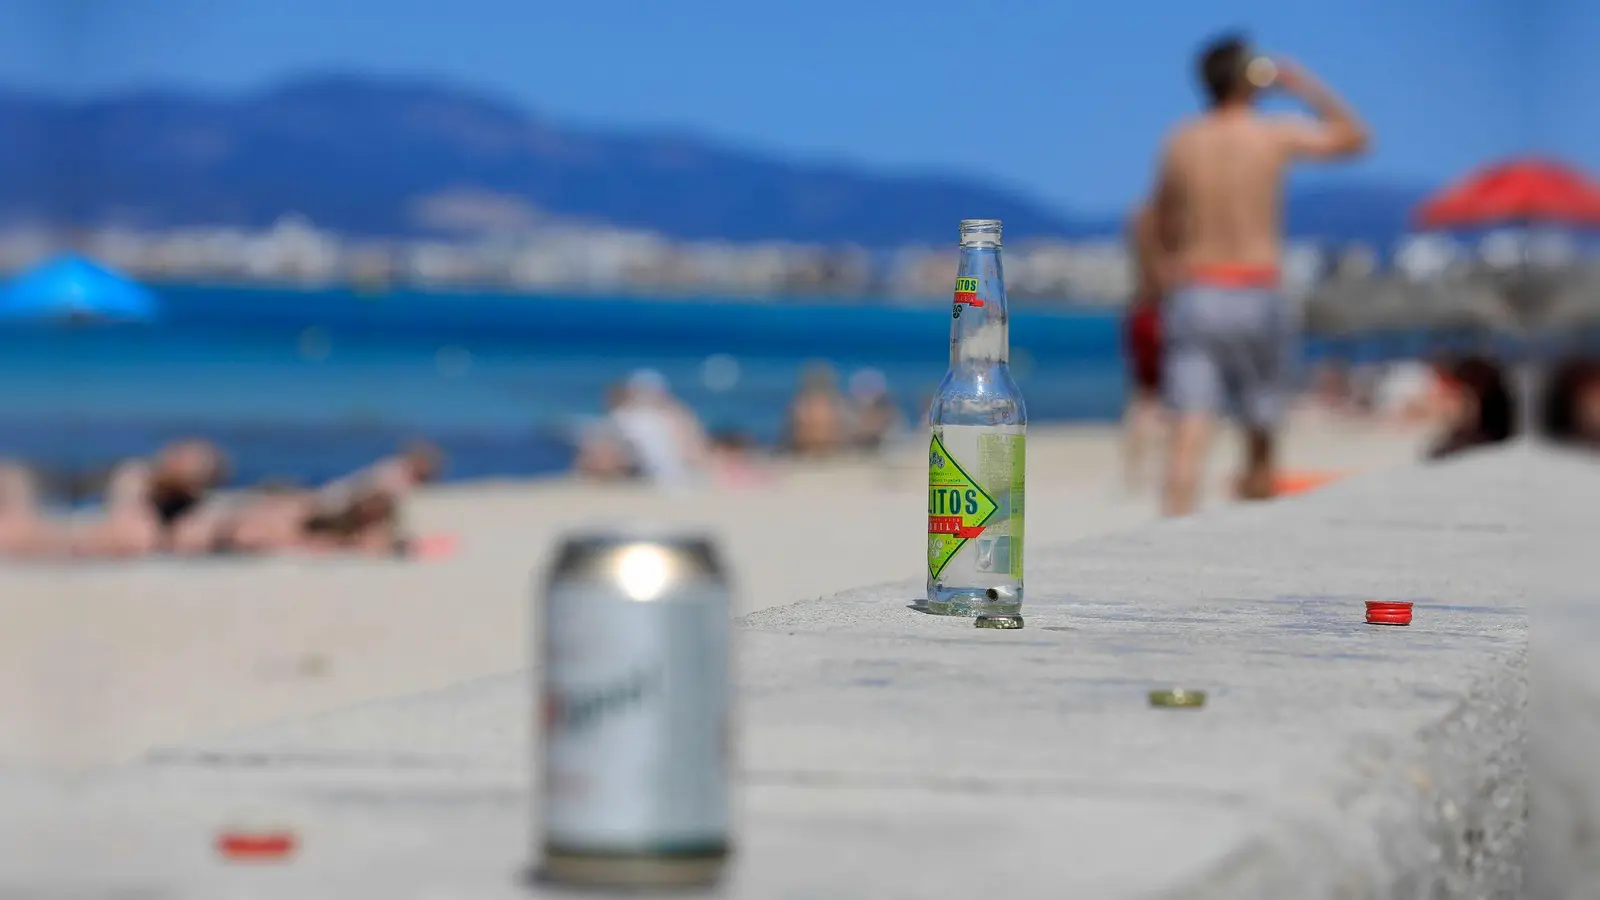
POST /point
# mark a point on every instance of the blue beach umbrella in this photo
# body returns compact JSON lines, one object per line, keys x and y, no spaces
{"x":70,"y":288}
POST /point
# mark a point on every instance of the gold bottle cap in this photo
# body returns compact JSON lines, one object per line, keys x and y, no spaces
{"x":1007,"y":623}
{"x":1178,"y":697}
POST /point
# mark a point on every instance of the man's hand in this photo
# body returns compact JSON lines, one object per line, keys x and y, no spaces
{"x":1340,"y":134}
{"x":1291,"y":76}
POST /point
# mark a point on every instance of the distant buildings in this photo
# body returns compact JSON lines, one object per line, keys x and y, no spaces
{"x":546,"y":256}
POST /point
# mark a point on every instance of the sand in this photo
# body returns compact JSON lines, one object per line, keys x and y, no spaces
{"x":104,"y":662}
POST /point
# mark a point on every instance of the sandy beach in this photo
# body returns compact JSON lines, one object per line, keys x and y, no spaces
{"x":101,"y":663}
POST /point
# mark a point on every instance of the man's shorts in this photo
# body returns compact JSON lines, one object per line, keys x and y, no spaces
{"x":1142,"y":343}
{"x":1229,"y":349}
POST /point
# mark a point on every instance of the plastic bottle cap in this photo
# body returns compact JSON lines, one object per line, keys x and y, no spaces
{"x":255,"y":844}
{"x":1388,"y":612}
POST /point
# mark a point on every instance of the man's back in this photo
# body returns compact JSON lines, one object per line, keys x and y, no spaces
{"x":1227,"y":169}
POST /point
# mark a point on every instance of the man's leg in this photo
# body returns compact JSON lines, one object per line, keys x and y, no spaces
{"x":1140,"y":422}
{"x":1259,"y":480}
{"x":1186,"y":457}
{"x":1266,"y":372}
{"x":1192,"y":383}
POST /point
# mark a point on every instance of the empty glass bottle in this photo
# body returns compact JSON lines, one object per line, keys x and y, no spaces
{"x":976,"y":458}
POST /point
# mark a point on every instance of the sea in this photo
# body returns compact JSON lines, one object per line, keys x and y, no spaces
{"x":303,"y":385}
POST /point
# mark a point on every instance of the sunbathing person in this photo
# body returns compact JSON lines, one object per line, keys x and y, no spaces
{"x":393,"y":476}
{"x":24,"y":531}
{"x":155,"y":505}
{"x":298,"y":521}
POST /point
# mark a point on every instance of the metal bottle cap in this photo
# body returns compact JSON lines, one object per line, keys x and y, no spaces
{"x":1004,"y":623}
{"x":1178,"y":697}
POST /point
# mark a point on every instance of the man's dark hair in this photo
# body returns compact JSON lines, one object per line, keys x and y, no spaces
{"x":1221,"y":67}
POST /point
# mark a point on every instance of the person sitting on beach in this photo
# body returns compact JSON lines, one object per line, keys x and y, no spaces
{"x":664,"y":437}
{"x":874,"y":418}
{"x":24,"y":531}
{"x":154,"y":505}
{"x":1412,"y":392}
{"x":604,"y":453}
{"x":817,"y":422}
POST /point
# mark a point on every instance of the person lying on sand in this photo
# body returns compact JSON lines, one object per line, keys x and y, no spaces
{"x":154,"y":505}
{"x":157,"y":507}
{"x":393,"y":477}
{"x":24,"y":531}
{"x":291,"y":521}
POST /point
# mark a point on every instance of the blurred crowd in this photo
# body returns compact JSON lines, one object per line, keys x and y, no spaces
{"x":649,"y":434}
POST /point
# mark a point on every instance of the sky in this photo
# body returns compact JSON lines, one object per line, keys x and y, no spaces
{"x":1065,"y":101}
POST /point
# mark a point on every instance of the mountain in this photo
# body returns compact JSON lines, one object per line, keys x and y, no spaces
{"x":387,"y":157}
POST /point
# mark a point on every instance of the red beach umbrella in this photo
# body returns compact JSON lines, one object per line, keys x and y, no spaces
{"x":1519,"y":191}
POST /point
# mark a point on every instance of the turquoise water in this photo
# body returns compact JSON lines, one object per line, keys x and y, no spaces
{"x":307,"y":384}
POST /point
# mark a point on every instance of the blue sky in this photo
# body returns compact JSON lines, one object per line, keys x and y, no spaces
{"x":1062,"y":99}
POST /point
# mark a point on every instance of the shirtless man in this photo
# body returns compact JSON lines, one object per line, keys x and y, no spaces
{"x":1229,"y":338}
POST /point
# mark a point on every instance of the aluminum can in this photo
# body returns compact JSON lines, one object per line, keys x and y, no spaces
{"x":636,"y":701}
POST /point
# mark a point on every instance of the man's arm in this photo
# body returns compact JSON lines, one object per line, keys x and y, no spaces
{"x":1146,"y":251}
{"x":1153,"y":222}
{"x":1338,"y":134}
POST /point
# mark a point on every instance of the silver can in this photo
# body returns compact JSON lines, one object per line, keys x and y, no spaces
{"x":636,"y":712}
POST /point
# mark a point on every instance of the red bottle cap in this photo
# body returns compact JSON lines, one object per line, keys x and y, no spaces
{"x":1388,"y":612}
{"x":255,"y":844}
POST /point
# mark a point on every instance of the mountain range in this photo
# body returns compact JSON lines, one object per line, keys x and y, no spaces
{"x":368,"y":156}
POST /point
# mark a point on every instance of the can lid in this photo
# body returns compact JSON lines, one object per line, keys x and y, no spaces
{"x":1185,"y":698}
{"x":1388,"y":612}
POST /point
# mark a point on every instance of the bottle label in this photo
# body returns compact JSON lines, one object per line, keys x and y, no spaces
{"x":975,"y":493}
{"x":962,"y":490}
{"x":967,"y":292}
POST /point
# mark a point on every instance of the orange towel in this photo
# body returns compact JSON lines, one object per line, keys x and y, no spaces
{"x":1303,"y":481}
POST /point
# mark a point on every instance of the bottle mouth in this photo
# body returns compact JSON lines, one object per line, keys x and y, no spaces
{"x":980,"y":232}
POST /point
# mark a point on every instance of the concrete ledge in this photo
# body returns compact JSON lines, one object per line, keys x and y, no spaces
{"x":888,"y":753}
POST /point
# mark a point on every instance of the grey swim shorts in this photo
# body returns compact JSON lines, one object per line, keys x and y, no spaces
{"x":1229,"y":350}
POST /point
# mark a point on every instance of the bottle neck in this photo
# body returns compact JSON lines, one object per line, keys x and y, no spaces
{"x":979,"y":323}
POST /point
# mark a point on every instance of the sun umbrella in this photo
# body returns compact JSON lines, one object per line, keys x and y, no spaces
{"x":71,"y":288}
{"x":1522,"y":191}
